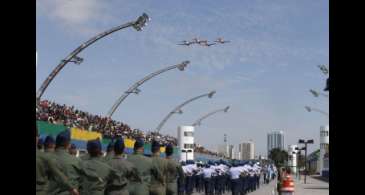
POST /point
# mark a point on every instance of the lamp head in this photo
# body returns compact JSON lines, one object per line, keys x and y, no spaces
{"x":210,"y":95}
{"x":316,"y":94}
{"x":141,"y":22}
{"x":308,"y":108}
{"x":226,"y":109}
{"x":301,"y":141}
{"x":183,"y":65}
{"x":310,"y":141}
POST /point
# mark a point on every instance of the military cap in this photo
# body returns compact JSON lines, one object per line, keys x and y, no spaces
{"x":169,"y":150}
{"x":63,"y":137}
{"x":94,"y":145}
{"x":155,"y":146}
{"x":139,"y":143}
{"x":119,"y":145}
{"x":49,"y":140}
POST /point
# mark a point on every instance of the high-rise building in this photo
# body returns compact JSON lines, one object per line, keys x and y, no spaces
{"x":247,"y":150}
{"x":275,"y":139}
{"x":230,"y":151}
{"x":324,"y":145}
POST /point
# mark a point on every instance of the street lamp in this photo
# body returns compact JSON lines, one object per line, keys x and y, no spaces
{"x":134,"y":87}
{"x":72,"y":57}
{"x":324,"y":69}
{"x":198,"y":122}
{"x":305,"y":142}
{"x":317,"y":94}
{"x":309,"y":109}
{"x":178,"y":108}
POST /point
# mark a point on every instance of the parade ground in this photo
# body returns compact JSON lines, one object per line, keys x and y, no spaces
{"x":312,"y":187}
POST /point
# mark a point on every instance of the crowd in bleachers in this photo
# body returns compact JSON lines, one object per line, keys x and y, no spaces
{"x":69,"y":116}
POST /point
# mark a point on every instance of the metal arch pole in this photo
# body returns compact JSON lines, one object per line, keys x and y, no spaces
{"x":178,"y":108}
{"x":197,"y":122}
{"x":135,"y":86}
{"x":73,"y":54}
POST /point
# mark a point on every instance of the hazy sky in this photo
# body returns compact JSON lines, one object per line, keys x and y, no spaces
{"x":264,"y":74}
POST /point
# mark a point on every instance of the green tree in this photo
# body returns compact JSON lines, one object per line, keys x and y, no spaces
{"x":278,"y":156}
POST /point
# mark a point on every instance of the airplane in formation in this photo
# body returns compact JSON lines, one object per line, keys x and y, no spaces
{"x":203,"y":42}
{"x":221,"y":40}
{"x":186,"y":43}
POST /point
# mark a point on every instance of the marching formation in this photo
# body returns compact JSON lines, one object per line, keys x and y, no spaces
{"x":220,"y":177}
{"x":59,"y":171}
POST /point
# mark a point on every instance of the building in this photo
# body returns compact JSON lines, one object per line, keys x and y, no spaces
{"x":247,"y":150}
{"x":293,"y":153}
{"x":230,"y":151}
{"x":223,"y":150}
{"x":324,"y":147}
{"x":185,"y":142}
{"x":275,"y":139}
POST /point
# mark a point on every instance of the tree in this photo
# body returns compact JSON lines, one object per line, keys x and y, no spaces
{"x":278,"y":156}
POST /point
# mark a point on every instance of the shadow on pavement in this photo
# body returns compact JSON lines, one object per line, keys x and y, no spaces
{"x":321,"y":178}
{"x":317,"y":188}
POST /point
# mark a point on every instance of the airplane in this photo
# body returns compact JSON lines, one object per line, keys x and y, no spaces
{"x":197,"y":41}
{"x":187,"y":43}
{"x":220,"y":40}
{"x":207,"y":44}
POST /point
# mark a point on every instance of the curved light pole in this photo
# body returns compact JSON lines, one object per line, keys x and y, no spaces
{"x":178,"y":108}
{"x":317,"y":94}
{"x":134,"y":87}
{"x":324,"y":69}
{"x":198,"y":122}
{"x":72,"y":57}
{"x":309,"y":109}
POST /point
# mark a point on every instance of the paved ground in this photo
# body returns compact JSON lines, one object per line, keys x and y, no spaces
{"x":312,"y":187}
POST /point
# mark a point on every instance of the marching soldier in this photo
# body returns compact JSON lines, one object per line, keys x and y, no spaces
{"x":69,"y":165}
{"x":145,"y":168}
{"x":100,"y":175}
{"x":125,"y":168}
{"x":49,"y":144}
{"x":174,"y":172}
{"x":46,"y":169}
{"x":158,"y":185}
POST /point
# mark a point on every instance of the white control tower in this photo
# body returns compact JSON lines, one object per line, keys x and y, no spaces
{"x":185,"y":139}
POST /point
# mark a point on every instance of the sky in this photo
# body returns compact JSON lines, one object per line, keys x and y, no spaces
{"x":264,"y":74}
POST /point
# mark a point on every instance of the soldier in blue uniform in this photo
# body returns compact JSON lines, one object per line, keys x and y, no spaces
{"x":181,"y":182}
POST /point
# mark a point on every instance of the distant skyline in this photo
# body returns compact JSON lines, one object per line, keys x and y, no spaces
{"x":264,"y":74}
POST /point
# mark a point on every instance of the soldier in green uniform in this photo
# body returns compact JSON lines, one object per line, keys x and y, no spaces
{"x":46,"y":169}
{"x":68,"y":164}
{"x":158,"y":185}
{"x":109,"y":152}
{"x":174,"y":171}
{"x":98,"y":175}
{"x":145,"y":170}
{"x":125,"y":168}
{"x":49,"y":144}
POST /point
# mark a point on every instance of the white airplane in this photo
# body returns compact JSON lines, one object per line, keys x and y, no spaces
{"x":187,"y":43}
{"x":221,"y":40}
{"x":197,"y":41}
